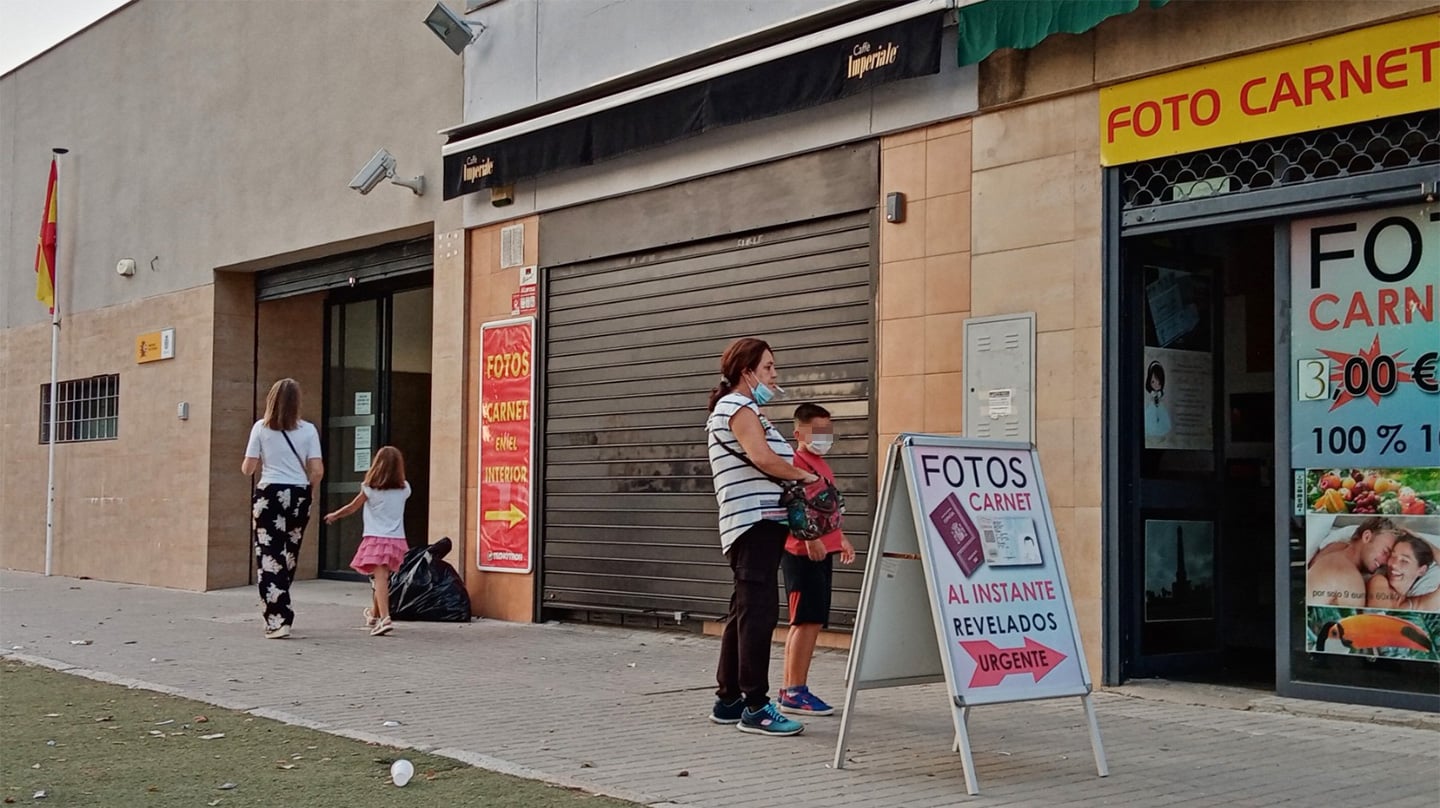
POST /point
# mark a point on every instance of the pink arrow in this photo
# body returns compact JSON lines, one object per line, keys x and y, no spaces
{"x":993,"y":664}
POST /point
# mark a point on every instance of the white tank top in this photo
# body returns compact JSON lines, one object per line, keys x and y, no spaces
{"x":744,"y":493}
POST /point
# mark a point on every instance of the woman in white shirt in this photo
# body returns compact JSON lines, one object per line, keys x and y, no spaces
{"x":748,"y":459}
{"x":286,"y":452}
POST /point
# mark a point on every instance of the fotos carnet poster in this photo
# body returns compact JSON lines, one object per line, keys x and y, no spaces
{"x":1365,"y":340}
{"x":996,"y":573}
{"x":1372,"y":584}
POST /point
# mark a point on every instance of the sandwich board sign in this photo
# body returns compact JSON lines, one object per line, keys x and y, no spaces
{"x":964,"y":584}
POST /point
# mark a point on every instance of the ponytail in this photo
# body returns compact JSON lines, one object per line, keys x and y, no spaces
{"x":721,"y":390}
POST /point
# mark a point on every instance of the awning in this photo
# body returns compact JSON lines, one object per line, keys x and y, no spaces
{"x":994,"y":24}
{"x":827,"y":66}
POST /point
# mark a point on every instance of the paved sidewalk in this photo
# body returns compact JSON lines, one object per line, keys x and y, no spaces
{"x":622,"y":712}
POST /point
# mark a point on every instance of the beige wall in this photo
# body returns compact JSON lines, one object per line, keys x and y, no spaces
{"x":217,"y":134}
{"x":448,"y":396}
{"x":128,"y":509}
{"x":924,"y":294}
{"x":291,"y":343}
{"x":229,"y":557}
{"x":508,"y":596}
{"x":269,"y":108}
{"x":1004,"y":217}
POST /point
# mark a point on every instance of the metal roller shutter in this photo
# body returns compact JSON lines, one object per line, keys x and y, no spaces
{"x":335,"y":272}
{"x":633,"y":348}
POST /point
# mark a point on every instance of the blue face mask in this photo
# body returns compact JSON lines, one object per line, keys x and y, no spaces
{"x":763,"y":394}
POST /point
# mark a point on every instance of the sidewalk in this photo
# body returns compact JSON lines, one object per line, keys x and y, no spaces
{"x":622,"y":712}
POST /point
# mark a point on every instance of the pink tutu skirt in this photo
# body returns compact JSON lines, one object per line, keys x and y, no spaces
{"x":376,"y":551}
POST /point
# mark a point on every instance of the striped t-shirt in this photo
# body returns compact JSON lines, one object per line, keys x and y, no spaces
{"x":745,"y":494}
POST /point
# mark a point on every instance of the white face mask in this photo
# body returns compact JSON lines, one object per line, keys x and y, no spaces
{"x":820,"y":444}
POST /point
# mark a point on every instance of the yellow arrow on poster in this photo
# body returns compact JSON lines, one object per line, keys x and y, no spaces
{"x":513,"y":515}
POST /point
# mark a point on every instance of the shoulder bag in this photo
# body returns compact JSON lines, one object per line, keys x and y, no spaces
{"x":812,"y":510}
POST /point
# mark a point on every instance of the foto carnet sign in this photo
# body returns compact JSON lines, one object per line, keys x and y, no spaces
{"x":1365,"y":339}
{"x":994,"y":568}
{"x":507,"y":426}
{"x":964,"y":583}
{"x":1376,"y":72}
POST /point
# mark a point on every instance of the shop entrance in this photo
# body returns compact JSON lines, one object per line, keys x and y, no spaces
{"x":377,"y":393}
{"x":1197,"y":539}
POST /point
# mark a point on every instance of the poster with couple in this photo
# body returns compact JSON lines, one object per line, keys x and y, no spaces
{"x":1372,"y":580}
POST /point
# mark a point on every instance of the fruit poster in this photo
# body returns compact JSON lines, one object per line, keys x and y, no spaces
{"x":1372,"y":584}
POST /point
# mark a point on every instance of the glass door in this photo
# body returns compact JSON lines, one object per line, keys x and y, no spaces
{"x":377,"y":393}
{"x":352,"y":421}
{"x":1171,"y":544}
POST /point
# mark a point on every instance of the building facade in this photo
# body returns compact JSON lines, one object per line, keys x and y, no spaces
{"x":919,"y":204}
{"x":210,"y":144}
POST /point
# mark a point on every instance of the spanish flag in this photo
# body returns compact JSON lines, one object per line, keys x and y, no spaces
{"x":45,"y":249}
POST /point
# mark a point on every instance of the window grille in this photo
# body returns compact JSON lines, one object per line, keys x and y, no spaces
{"x":88,"y":409}
{"x":1399,"y":142}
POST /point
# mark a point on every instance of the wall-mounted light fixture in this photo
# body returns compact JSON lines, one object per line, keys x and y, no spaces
{"x":382,"y":167}
{"x":895,"y":207}
{"x":455,"y":31}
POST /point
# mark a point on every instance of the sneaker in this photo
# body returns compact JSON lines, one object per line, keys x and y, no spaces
{"x":369,"y":617}
{"x":278,"y":633}
{"x":800,"y":701}
{"x":768,"y":721}
{"x":382,"y":626}
{"x":723,"y":713}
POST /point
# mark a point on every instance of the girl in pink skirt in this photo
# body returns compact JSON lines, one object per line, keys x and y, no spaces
{"x":383,"y":496}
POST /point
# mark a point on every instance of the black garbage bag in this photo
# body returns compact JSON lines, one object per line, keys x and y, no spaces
{"x":427,"y":588}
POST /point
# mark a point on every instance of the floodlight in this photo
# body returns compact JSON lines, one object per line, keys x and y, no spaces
{"x":453,"y":29}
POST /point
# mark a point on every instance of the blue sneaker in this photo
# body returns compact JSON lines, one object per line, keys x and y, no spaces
{"x":768,"y":721}
{"x":800,"y":701}
{"x":723,"y":713}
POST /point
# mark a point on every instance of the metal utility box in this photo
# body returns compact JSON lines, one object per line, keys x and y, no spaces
{"x":1000,"y":377}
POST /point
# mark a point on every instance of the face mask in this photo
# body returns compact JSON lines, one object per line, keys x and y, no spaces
{"x":763,"y":394}
{"x":820,"y":444}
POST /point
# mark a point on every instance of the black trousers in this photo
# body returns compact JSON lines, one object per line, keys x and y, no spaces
{"x":744,"y":669}
{"x":280,"y":514}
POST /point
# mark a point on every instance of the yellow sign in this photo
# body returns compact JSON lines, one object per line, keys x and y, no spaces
{"x":154,"y":346}
{"x":1390,"y":69}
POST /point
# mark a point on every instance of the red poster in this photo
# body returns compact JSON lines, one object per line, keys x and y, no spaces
{"x":507,"y":396}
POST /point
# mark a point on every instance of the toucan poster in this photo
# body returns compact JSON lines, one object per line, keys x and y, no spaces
{"x":1371,"y":573}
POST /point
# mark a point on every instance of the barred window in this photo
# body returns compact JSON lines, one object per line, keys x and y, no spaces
{"x":88,"y":409}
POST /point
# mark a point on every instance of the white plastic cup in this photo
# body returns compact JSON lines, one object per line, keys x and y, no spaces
{"x":401,"y":771}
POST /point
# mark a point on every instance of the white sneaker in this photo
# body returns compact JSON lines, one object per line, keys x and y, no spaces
{"x":278,"y":633}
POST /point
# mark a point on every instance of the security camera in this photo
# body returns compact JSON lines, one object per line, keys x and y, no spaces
{"x":380,"y":167}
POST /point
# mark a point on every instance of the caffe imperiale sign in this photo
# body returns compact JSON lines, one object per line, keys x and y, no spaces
{"x":817,"y":76}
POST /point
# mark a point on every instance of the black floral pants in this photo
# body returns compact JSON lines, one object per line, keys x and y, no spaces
{"x":280,"y":514}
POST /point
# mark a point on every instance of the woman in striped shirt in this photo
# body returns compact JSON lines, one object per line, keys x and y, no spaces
{"x":748,"y":458}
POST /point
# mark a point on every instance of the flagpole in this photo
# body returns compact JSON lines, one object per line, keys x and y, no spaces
{"x":54,"y":380}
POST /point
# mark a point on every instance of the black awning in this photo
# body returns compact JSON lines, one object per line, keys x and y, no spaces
{"x":798,"y":81}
